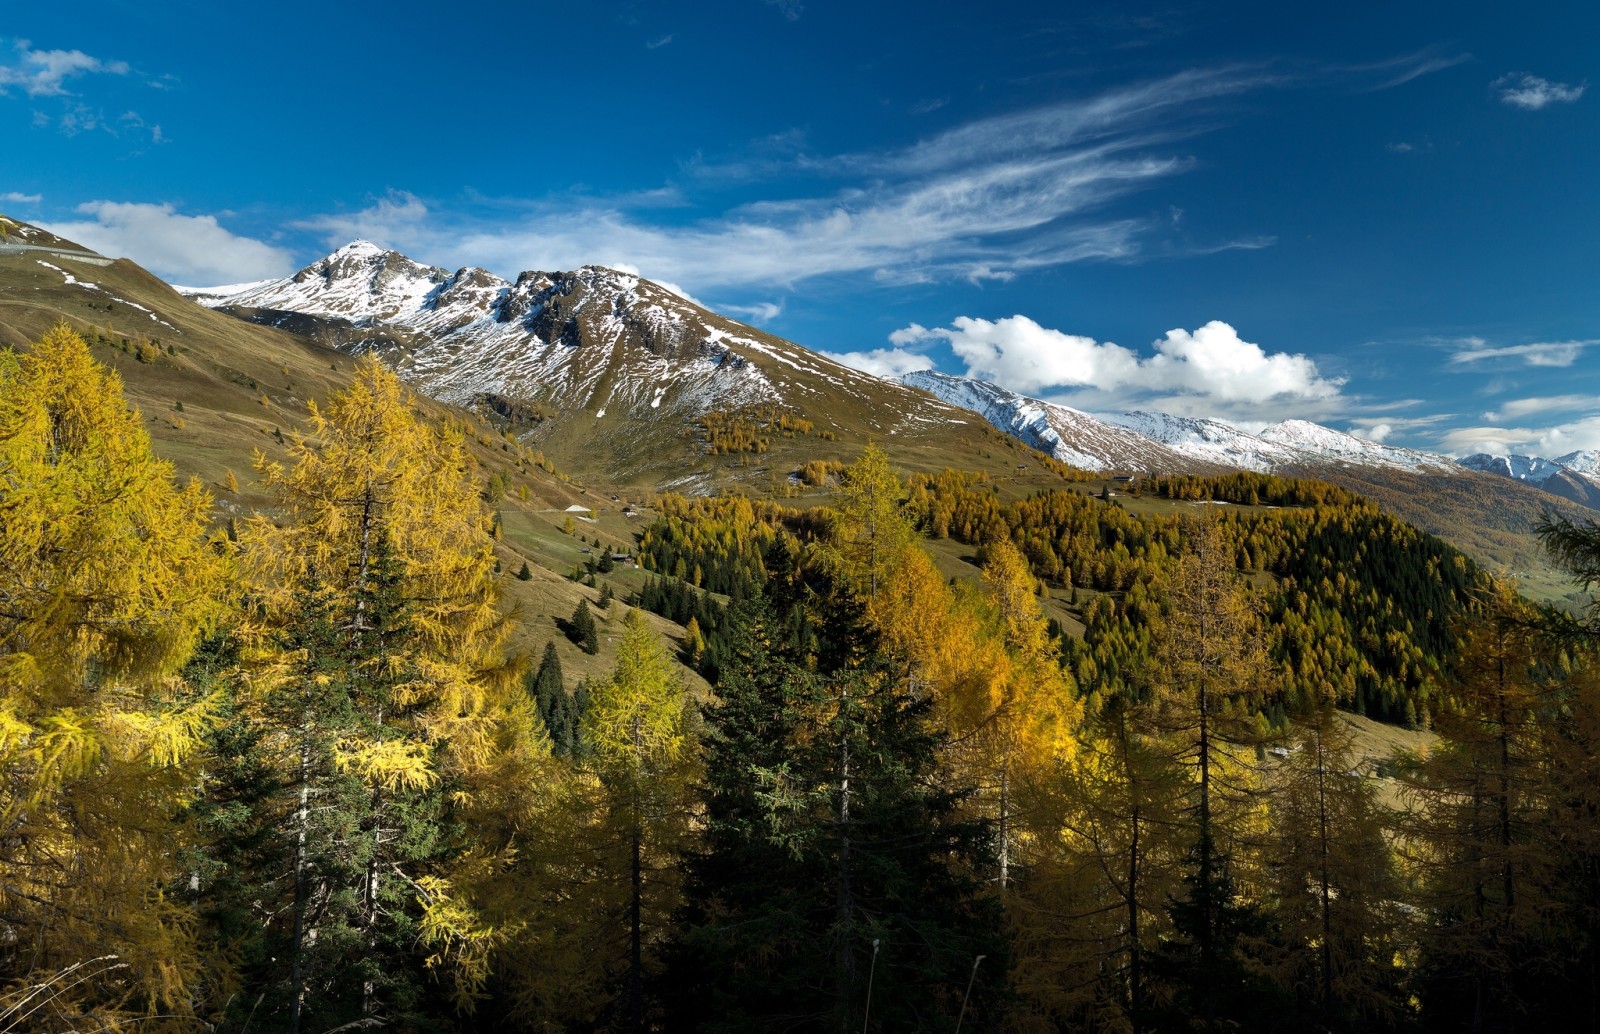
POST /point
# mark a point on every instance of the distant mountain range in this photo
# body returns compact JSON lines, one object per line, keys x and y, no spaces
{"x":1575,"y":476}
{"x":608,"y":369}
{"x":1162,"y":443}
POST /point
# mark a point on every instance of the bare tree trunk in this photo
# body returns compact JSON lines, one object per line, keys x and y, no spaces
{"x":636,"y":904}
{"x":302,"y":818}
{"x":845,"y":963}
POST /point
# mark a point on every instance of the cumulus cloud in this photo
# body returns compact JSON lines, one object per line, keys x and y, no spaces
{"x":889,"y":363}
{"x":17,"y":197}
{"x":1544,"y":353}
{"x":44,"y":73}
{"x":1208,"y":367}
{"x":1530,"y":92}
{"x":186,"y":249}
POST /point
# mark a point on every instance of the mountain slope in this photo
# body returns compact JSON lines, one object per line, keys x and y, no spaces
{"x":608,"y":372}
{"x":1070,"y":435}
{"x":1573,"y":476}
{"x":1493,"y":518}
{"x":213,"y":391}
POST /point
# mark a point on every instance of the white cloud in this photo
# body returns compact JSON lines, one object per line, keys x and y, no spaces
{"x":983,"y":201}
{"x":16,"y":197}
{"x":1530,"y":92}
{"x":889,"y":363}
{"x":1375,"y":432}
{"x":1397,"y":71}
{"x":656,"y":44}
{"x":399,"y":219}
{"x":44,"y":73}
{"x":186,"y":249}
{"x":759,"y":312}
{"x":1215,"y":361}
{"x":1516,"y":409}
{"x":1208,"y":370}
{"x":1550,"y":441}
{"x":1544,"y":353}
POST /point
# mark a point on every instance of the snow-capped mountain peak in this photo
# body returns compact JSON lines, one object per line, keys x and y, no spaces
{"x":1070,"y":435}
{"x":1163,"y":442}
{"x":1584,"y":461}
{"x":594,"y":343}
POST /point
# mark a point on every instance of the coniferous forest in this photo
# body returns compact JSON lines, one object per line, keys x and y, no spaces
{"x":283,"y":773}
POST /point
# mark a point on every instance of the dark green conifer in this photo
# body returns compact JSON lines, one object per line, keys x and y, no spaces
{"x":583,"y":631}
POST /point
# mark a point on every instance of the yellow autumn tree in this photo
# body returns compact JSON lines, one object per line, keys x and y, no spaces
{"x":1034,"y":719}
{"x":638,"y":731}
{"x":376,"y":661}
{"x":106,"y":582}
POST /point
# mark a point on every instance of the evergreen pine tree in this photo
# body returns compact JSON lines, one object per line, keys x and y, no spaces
{"x":583,"y":630}
{"x":832,"y":862}
{"x":549,"y":690}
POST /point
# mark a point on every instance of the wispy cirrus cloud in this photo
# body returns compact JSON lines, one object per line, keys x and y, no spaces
{"x":1397,"y":71}
{"x":981,"y":201}
{"x":1516,"y":409}
{"x":1531,"y":92}
{"x":1473,"y":351}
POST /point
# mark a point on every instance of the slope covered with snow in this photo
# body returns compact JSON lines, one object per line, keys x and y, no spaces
{"x":1533,"y":469}
{"x":1208,"y":441}
{"x":1163,"y":442}
{"x":594,"y":339}
{"x":1318,"y":444}
{"x":1070,"y":435}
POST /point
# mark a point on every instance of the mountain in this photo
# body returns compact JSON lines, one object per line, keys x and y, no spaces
{"x":213,"y":391}
{"x":1493,"y":518}
{"x":1208,"y":441}
{"x":608,"y":372}
{"x":1070,"y":435}
{"x":1163,"y":443}
{"x":1575,"y":476}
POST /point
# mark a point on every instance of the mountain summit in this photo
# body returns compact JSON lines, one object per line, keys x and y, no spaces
{"x":592,"y":359}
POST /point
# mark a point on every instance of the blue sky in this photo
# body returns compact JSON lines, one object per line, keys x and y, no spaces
{"x":1382,"y":216}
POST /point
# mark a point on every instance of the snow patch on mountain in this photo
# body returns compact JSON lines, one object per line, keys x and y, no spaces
{"x":1325,"y":445}
{"x":1070,"y":435}
{"x":1162,"y":442}
{"x":593,"y":339}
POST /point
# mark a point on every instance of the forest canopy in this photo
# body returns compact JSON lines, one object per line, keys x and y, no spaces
{"x":290,"y":776}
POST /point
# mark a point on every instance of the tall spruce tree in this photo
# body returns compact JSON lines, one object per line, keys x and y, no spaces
{"x":548,"y":686}
{"x":373,"y":653}
{"x":839,"y":886}
{"x":583,"y":631}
